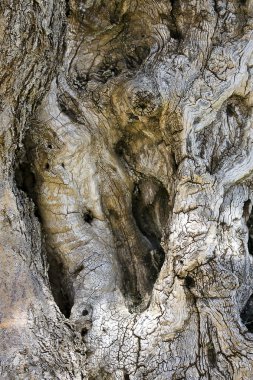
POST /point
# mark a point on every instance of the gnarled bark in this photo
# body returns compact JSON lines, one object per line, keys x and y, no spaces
{"x":126,"y":189}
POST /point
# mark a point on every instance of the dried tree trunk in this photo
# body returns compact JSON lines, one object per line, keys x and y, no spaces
{"x":126,"y":164}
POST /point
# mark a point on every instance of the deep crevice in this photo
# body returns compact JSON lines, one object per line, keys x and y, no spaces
{"x":248,"y":215}
{"x":25,"y":181}
{"x":61,"y":286}
{"x":25,"y":178}
{"x":129,"y":283}
{"x":140,"y":255}
{"x":211,"y":355}
{"x":176,"y":35}
{"x":67,"y":8}
{"x":231,"y":110}
{"x":175,"y":165}
{"x":247,"y":314}
{"x":150,"y":207}
{"x":121,"y":148}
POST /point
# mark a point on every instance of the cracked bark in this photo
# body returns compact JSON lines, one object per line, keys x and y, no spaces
{"x":126,"y":167}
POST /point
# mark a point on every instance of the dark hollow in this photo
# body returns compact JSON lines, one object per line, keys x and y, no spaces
{"x":189,"y":282}
{"x":249,"y":217}
{"x":230,"y":110}
{"x":85,"y":312}
{"x":25,"y":179}
{"x":176,"y":35}
{"x":61,"y":288}
{"x":88,"y":217}
{"x":67,"y":9}
{"x":121,"y":148}
{"x":84,"y":331}
{"x":150,"y":217}
{"x":211,"y":355}
{"x":247,"y":314}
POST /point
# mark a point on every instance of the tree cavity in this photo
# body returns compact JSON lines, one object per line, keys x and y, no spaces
{"x":25,"y":181}
{"x":150,"y":207}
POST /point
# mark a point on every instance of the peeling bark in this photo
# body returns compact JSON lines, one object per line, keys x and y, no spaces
{"x":126,"y":168}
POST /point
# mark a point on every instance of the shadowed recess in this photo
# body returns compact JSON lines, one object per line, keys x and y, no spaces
{"x":249,"y":218}
{"x":138,"y":237}
{"x":61,"y":287}
{"x":25,"y":179}
{"x":150,"y":207}
{"x":247,"y":314}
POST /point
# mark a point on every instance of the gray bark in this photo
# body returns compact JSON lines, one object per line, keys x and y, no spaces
{"x":126,"y":189}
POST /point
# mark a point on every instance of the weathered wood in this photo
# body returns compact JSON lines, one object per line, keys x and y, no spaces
{"x":126,"y":189}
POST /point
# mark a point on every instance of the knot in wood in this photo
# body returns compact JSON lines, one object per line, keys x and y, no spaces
{"x":143,"y":98}
{"x":144,"y":103}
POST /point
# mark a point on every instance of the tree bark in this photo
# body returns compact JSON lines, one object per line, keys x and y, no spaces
{"x":126,"y":163}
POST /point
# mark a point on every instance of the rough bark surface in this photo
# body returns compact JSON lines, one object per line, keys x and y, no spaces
{"x":126,"y":188}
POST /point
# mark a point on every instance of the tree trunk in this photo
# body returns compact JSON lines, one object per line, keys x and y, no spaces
{"x":126,"y":161}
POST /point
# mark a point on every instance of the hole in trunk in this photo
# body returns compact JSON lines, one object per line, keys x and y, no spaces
{"x":88,"y":217}
{"x":84,"y":331}
{"x":175,"y":34}
{"x":85,"y":312}
{"x":247,"y":314}
{"x":189,"y":282}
